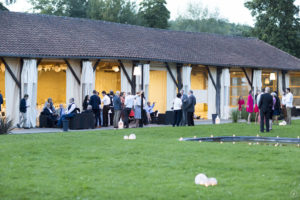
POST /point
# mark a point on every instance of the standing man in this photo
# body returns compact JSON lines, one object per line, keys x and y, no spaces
{"x":184,"y":99}
{"x":265,"y":108}
{"x":289,"y":105}
{"x":191,"y":108}
{"x":95,"y":102}
{"x":111,"y":107}
{"x":1,"y":102}
{"x":106,"y":103}
{"x":117,"y":108}
{"x":23,"y":110}
{"x":129,"y":102}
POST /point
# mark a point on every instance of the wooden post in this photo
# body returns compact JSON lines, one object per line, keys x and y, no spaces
{"x":142,"y":95}
{"x":218,"y":91}
{"x":179,"y":76}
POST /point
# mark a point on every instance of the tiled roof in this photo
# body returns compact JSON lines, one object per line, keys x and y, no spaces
{"x":36,"y":35}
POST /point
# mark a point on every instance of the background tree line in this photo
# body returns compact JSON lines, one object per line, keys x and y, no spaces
{"x":277,"y":22}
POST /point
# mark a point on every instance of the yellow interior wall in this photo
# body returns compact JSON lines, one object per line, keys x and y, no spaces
{"x":158,"y":90}
{"x":107,"y":81}
{"x":51,"y":84}
{"x":198,"y":82}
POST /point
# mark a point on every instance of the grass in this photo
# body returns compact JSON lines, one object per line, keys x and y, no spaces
{"x":101,"y":165}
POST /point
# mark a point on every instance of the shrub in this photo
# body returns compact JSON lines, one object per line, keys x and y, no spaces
{"x":244,"y":115}
{"x":6,"y":125}
{"x":234,"y":115}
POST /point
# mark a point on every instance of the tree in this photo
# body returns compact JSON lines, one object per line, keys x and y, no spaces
{"x":50,"y":7}
{"x":2,"y":7}
{"x":197,"y":18}
{"x":120,"y":11}
{"x":277,"y":23}
{"x":154,"y":13}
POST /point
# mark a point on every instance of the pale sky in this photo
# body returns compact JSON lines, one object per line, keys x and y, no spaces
{"x":233,"y":10}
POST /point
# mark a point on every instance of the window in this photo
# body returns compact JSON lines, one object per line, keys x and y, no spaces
{"x":295,"y":87}
{"x":238,"y":87}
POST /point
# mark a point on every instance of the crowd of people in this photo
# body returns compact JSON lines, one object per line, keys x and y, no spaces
{"x":268,"y":107}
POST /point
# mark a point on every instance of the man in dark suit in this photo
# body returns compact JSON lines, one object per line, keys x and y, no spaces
{"x":95,"y":102}
{"x":191,"y":108}
{"x":1,"y":101}
{"x":23,"y":116}
{"x":265,"y":107}
{"x":184,"y":99}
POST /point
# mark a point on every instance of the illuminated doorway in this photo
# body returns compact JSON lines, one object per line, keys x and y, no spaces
{"x":158,"y":90}
{"x":199,"y":87}
{"x":51,"y":83}
{"x":108,"y":77}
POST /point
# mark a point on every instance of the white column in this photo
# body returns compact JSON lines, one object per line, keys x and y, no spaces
{"x":73,"y":88}
{"x":211,"y":93}
{"x":171,"y":87}
{"x":257,"y":82}
{"x":29,"y":86}
{"x":125,"y":85}
{"x":225,"y":85}
{"x":186,"y":78}
{"x":87,"y":80}
{"x":12,"y":91}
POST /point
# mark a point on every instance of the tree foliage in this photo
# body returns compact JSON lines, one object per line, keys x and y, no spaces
{"x":154,"y":13}
{"x":277,"y":23}
{"x":2,"y":7}
{"x":200,"y":19}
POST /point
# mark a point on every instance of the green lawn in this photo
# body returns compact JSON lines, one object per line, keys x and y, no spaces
{"x":101,"y":165}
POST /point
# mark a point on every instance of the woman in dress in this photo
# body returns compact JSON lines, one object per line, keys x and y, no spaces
{"x":86,"y":102}
{"x":241,"y":102}
{"x":249,"y":107}
{"x":256,"y":110}
{"x":177,"y":110}
{"x":137,"y":109}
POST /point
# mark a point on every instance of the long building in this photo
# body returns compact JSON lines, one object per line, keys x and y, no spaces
{"x":62,"y":57}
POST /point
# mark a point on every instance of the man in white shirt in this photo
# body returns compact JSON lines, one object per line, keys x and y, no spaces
{"x":106,"y":104}
{"x":289,"y":105}
{"x":70,"y":112}
{"x":283,"y":106}
{"x":259,"y":95}
{"x":129,"y":102}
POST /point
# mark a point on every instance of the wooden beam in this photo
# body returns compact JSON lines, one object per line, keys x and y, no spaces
{"x":125,"y":72}
{"x":11,"y":73}
{"x":211,"y":78}
{"x":38,"y":62}
{"x":283,"y":72}
{"x":20,"y":78}
{"x":170,"y":72}
{"x":248,"y":79}
{"x":72,"y":70}
{"x":96,"y":64}
{"x":179,"y":75}
{"x":218,"y":91}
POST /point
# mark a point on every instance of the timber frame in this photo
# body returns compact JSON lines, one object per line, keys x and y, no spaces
{"x":72,"y":70}
{"x":172,"y":75}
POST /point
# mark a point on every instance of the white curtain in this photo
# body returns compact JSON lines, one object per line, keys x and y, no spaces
{"x":73,"y":88}
{"x":146,"y":74}
{"x":225,"y":85}
{"x":87,"y":79}
{"x":257,"y":82}
{"x":287,"y":80}
{"x":29,"y":78}
{"x":211,"y":94}
{"x":125,"y":85}
{"x":186,"y":78}
{"x":171,"y":87}
{"x":12,"y":91}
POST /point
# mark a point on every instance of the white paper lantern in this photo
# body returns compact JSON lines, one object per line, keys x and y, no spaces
{"x":212,"y":181}
{"x":126,"y":137}
{"x":201,"y":179}
{"x":132,"y":137}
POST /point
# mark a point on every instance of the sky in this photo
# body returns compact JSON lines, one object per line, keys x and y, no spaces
{"x":233,"y":10}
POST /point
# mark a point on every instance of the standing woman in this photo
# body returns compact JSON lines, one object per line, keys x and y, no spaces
{"x":276,"y":108}
{"x":137,"y":109}
{"x":241,"y":102}
{"x":249,"y":108}
{"x":256,"y":110}
{"x":177,"y":110}
{"x":86,"y":102}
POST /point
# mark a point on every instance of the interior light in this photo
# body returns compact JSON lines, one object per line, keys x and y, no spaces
{"x":267,"y":81}
{"x":272,"y":76}
{"x":115,"y":68}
